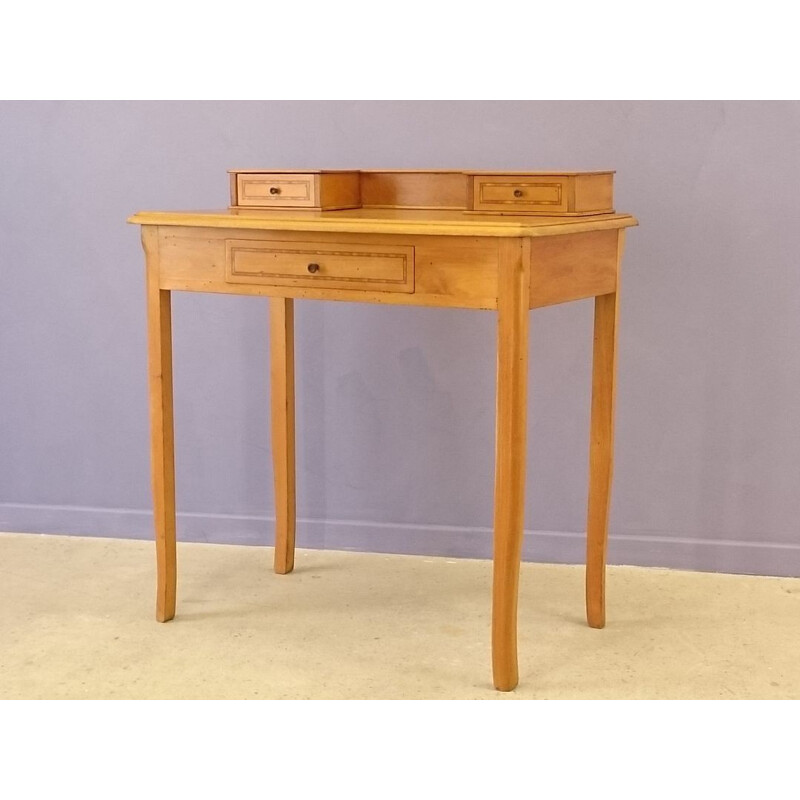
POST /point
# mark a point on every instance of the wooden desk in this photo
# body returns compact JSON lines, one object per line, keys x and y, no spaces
{"x":508,"y":264}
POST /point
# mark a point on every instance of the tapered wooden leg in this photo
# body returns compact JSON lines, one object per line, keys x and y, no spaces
{"x":162,"y":448}
{"x":509,"y":497}
{"x":281,"y":329}
{"x":601,"y":455}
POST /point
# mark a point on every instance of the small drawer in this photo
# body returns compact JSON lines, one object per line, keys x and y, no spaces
{"x":279,"y":190}
{"x":513,"y":194}
{"x":374,"y":268}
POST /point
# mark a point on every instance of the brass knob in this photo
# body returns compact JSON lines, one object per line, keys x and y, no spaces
{"x":517,"y":192}
{"x":274,"y":190}
{"x":312,"y":268}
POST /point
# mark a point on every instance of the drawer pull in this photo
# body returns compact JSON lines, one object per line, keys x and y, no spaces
{"x":518,"y":192}
{"x":312,"y":268}
{"x":274,"y":190}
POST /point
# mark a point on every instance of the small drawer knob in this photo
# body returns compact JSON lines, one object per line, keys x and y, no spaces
{"x":518,"y":192}
{"x":312,"y":268}
{"x":274,"y":190}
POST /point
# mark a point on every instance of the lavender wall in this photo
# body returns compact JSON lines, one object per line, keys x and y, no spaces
{"x":396,"y":405}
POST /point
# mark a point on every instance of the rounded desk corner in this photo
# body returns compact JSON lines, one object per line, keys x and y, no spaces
{"x":145,"y":218}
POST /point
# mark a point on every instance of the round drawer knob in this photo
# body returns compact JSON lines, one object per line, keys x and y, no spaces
{"x":274,"y":190}
{"x":312,"y":268}
{"x":517,"y":192}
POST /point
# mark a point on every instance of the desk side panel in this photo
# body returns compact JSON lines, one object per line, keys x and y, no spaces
{"x":450,"y":271}
{"x":573,"y":267}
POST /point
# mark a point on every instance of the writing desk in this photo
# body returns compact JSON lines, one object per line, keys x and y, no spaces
{"x":420,"y":257}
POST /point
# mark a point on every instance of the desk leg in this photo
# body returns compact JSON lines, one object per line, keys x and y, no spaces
{"x":509,"y":499}
{"x":281,"y":330}
{"x":601,"y":455}
{"x":162,"y":447}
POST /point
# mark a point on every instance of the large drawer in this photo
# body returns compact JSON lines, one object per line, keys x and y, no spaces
{"x":375,"y":268}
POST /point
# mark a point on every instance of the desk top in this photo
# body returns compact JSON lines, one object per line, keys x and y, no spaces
{"x":387,"y":221}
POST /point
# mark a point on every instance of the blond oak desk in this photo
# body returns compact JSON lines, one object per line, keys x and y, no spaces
{"x":507,"y":264}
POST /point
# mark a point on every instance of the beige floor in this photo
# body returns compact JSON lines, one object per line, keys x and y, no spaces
{"x":76,"y":621}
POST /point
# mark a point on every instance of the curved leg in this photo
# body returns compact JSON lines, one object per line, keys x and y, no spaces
{"x":281,"y":335}
{"x":162,"y":446}
{"x":509,"y":499}
{"x":601,"y":456}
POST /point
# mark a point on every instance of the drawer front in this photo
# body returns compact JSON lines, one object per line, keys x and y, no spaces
{"x":374,"y":268}
{"x":547,"y":195}
{"x":277,"y":191}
